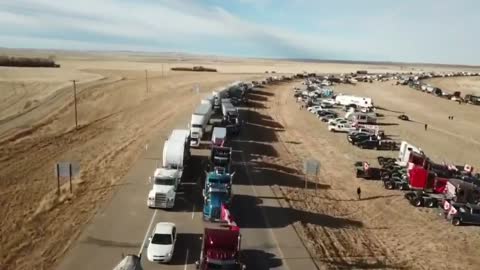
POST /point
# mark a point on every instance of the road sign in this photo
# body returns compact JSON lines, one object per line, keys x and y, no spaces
{"x":66,"y":169}
{"x":311,"y":166}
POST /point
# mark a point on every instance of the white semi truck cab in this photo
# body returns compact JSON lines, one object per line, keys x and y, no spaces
{"x":165,"y":182}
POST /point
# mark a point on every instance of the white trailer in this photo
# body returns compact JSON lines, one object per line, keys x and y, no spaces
{"x":198,"y":123}
{"x":228,"y":107}
{"x":219,"y":136}
{"x":404,"y":153}
{"x":208,"y":100}
{"x":174,"y":154}
{"x":346,"y":100}
{"x":182,"y":135}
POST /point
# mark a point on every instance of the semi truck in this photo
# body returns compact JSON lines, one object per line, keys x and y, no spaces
{"x":215,"y":196}
{"x":220,"y":157}
{"x":219,"y":136}
{"x":165,"y":180}
{"x":198,"y":123}
{"x":165,"y":183}
{"x":220,"y":249}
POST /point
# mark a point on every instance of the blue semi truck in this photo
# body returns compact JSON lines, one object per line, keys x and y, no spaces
{"x":217,"y":191}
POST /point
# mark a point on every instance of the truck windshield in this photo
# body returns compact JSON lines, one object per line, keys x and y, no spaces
{"x":162,"y":239}
{"x":212,"y":266}
{"x":165,"y":181}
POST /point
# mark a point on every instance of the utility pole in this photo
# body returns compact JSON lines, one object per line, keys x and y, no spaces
{"x":75,"y":101}
{"x":146,"y":80}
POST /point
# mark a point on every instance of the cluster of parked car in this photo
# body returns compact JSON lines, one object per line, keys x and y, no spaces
{"x":359,"y":119}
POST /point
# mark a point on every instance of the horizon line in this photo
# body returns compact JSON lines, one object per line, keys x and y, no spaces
{"x":251,"y":57}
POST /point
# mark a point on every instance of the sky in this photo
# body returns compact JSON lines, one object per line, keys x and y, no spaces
{"x":427,"y":31}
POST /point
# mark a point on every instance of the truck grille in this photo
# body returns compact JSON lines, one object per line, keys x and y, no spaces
{"x":160,"y":199}
{"x":215,"y":213}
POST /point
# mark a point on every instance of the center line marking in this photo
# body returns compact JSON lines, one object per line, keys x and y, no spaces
{"x":147,"y":233}
{"x":186,"y":260}
{"x":193,"y":211}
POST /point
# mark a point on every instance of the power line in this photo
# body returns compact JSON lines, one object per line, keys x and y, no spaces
{"x":75,"y":102}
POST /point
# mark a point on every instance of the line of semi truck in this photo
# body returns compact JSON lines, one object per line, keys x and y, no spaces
{"x":221,"y":239}
{"x":454,"y":188}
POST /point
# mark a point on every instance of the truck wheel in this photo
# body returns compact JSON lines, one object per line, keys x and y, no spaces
{"x":456,"y":222}
{"x":432,"y":203}
{"x":381,"y":160}
{"x":418,"y":202}
{"x":389,"y":185}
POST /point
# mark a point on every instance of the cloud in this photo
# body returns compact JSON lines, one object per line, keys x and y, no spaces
{"x":408,"y":31}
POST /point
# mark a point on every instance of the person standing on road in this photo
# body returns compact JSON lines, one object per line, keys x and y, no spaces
{"x":426,"y":126}
{"x":359,"y":193}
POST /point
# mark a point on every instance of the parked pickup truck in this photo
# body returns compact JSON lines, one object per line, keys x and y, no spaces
{"x":464,"y":214}
{"x":340,"y":127}
{"x":374,"y":143}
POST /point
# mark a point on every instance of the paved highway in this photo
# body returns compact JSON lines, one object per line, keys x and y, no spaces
{"x":268,"y":240}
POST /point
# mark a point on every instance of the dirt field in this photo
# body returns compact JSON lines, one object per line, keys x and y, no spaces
{"x":117,"y":116}
{"x":466,"y":85}
{"x":383,"y":231}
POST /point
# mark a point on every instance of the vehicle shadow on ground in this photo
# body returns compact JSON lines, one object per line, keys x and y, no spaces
{"x":259,"y":259}
{"x":279,"y":217}
{"x":109,"y":243}
{"x":189,"y":192}
{"x":388,"y":110}
{"x":357,"y":200}
{"x":261,"y":92}
{"x":265,"y":149}
{"x":252,"y":96}
{"x":263,"y":173}
{"x":187,"y":242}
{"x":260,"y":120}
{"x":255,"y":104}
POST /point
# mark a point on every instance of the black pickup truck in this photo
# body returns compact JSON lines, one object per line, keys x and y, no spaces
{"x":373,"y":143}
{"x":464,"y":214}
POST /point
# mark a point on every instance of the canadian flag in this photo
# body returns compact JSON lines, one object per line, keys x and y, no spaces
{"x":452,"y":211}
{"x":366,"y":165}
{"x":446,"y":206}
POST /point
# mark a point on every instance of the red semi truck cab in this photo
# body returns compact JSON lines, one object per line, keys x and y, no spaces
{"x":220,"y":248}
{"x":422,"y":179}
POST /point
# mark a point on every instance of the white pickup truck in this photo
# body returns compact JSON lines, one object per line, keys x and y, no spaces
{"x":339,"y":127}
